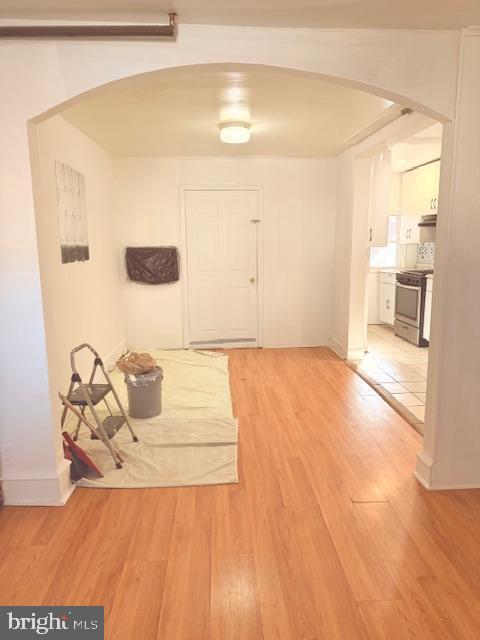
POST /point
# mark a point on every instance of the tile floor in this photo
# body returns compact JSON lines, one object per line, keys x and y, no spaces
{"x":398,"y":370}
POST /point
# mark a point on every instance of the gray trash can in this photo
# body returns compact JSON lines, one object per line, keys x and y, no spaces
{"x":144,"y":393}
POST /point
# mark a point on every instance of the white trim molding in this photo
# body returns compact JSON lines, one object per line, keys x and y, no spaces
{"x":356,"y":354}
{"x":424,"y":469}
{"x":44,"y":490}
{"x":337,"y":347}
{"x":424,"y":473}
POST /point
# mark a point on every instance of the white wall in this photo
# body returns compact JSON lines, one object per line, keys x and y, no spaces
{"x":298,"y":230}
{"x":81,"y":300}
{"x":28,"y":436}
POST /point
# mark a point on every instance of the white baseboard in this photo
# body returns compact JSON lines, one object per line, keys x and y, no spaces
{"x":423,"y":469}
{"x":445,"y":487}
{"x":46,"y":491}
{"x":451,"y":487}
{"x":424,"y":474}
{"x":346,"y":353}
{"x":356,"y":354}
{"x":338,"y":348}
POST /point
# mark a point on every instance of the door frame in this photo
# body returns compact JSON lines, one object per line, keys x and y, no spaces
{"x":357,"y":333}
{"x":184,"y":253}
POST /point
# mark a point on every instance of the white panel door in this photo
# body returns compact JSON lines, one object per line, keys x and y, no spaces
{"x":222,"y":267}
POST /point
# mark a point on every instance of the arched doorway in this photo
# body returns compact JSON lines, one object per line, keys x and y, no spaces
{"x":80,"y":81}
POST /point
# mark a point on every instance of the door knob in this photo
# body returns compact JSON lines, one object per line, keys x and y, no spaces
{"x":252,"y":279}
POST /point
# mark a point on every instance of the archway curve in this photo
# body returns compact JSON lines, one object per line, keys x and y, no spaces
{"x":173,"y":71}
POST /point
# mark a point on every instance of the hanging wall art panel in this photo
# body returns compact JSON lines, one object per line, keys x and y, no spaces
{"x":72,"y":213}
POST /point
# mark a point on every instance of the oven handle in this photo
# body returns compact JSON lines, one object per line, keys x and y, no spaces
{"x":407,"y":286}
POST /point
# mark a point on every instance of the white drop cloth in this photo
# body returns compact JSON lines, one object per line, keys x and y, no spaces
{"x":192,"y":442}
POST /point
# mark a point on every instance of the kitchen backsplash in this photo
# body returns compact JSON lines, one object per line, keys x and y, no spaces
{"x":426,"y":253}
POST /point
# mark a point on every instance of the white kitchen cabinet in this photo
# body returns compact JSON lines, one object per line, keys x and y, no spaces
{"x":379,"y":200}
{"x":419,"y":198}
{"x":435,"y":181}
{"x":420,"y":190}
{"x":409,"y":230}
{"x":412,"y":193}
{"x":428,"y":309}
{"x":386,"y":298}
{"x":428,"y":178}
{"x":388,"y":276}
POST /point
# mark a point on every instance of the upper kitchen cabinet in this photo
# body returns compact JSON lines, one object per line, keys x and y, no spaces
{"x":433,"y":185}
{"x":419,"y":198}
{"x":409,"y":230}
{"x":380,"y":199}
{"x":420,"y":190}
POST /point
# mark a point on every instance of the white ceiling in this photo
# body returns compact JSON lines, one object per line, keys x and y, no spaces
{"x":419,"y":149}
{"x":410,"y":14}
{"x":178,"y":112}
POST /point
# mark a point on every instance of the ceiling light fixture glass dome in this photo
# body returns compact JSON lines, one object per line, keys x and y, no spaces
{"x":234,"y":132}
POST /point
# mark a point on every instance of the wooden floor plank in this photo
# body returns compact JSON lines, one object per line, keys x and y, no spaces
{"x":185,"y":609}
{"x":235,"y":610}
{"x":136,"y":610}
{"x":278,"y":619}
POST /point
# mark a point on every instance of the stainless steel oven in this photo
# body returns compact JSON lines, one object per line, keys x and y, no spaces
{"x":410,"y":306}
{"x":408,"y":303}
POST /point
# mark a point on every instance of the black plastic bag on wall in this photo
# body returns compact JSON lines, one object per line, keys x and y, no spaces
{"x":152,"y":265}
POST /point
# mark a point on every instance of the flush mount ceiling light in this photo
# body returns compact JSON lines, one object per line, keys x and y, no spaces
{"x":234,"y":132}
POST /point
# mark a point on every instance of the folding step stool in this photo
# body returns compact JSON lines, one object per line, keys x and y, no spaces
{"x":89,"y":395}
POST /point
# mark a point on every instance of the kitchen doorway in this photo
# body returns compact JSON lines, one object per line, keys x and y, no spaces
{"x":400,"y":278}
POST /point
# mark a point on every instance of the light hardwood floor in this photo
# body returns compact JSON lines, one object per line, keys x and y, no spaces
{"x":328,"y":536}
